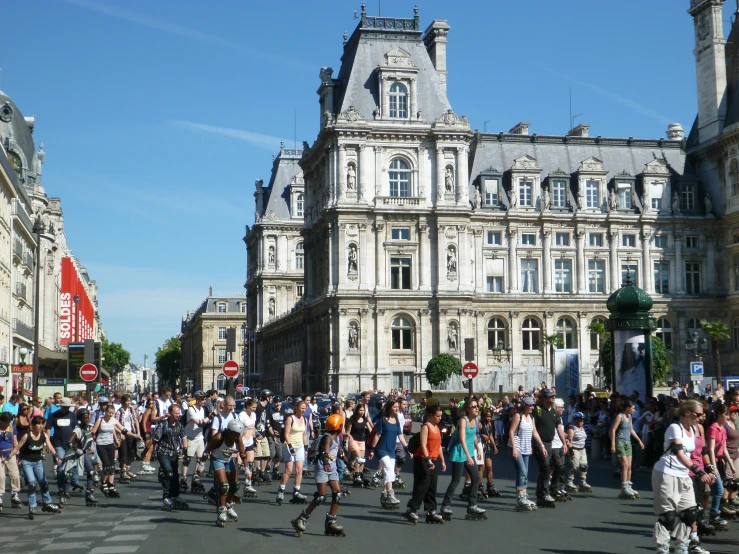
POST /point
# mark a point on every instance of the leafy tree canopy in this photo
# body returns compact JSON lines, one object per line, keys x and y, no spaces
{"x":115,"y":357}
{"x":168,"y":361}
{"x":441,"y":367}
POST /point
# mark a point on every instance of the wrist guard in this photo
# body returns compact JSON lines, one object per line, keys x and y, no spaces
{"x":710,"y":469}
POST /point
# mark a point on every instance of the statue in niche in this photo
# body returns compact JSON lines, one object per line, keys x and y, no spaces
{"x":644,"y":203}
{"x":709,"y":204}
{"x":449,"y":180}
{"x":546,"y":200}
{"x":612,"y":201}
{"x":271,"y":308}
{"x":451,"y":260}
{"x":580,"y":200}
{"x":452,"y":338}
{"x":513,"y":199}
{"x":478,"y":199}
{"x":676,"y":203}
{"x":271,"y":255}
{"x":352,"y":258}
{"x":353,"y":337}
{"x":351,"y":178}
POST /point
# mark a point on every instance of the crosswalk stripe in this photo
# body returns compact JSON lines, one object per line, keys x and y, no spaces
{"x":97,"y":524}
{"x":113,"y":549}
{"x":133,"y":528}
{"x":121,"y":538}
{"x":76,"y":545}
{"x":141,"y":518}
{"x":83,"y":534}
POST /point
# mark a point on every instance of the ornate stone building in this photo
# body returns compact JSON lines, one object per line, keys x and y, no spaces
{"x":420,"y":232}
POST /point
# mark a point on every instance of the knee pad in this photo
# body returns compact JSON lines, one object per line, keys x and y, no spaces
{"x":186,"y":460}
{"x":223,"y":489}
{"x":689,"y":516}
{"x":583,"y":468}
{"x":109,"y":470}
{"x":335,"y":497}
{"x":232,"y":489}
{"x":668,"y":520}
{"x":318,"y":498}
{"x":44,"y":487}
{"x":32,"y":487}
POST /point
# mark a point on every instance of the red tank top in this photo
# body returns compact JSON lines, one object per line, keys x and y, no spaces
{"x":696,"y":456}
{"x":433,"y":443}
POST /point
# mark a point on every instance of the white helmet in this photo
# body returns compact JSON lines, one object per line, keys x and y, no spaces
{"x":235,"y":426}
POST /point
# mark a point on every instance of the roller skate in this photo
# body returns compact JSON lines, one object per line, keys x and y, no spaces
{"x":523,"y":504}
{"x":345,"y":491}
{"x":626,"y":493}
{"x":183,"y":484}
{"x":90,"y":499}
{"x":196,"y":486}
{"x":51,"y":508}
{"x":299,"y":523}
{"x":632,"y":491}
{"x":717,"y":522}
{"x":211,"y":496}
{"x":15,"y":501}
{"x":132,"y":476}
{"x":222,"y":517}
{"x":124,"y":480}
{"x":78,"y":488}
{"x":236,"y":499}
{"x":434,"y":517}
{"x":358,"y":480}
{"x":410,"y":516}
{"x":298,"y":498}
{"x":167,"y":505}
{"x":388,"y":500}
{"x":377,"y":478}
{"x":545,"y":501}
{"x":257,"y":478}
{"x":63,"y":499}
{"x":104,"y":488}
{"x":331,"y":528}
{"x":180,"y":503}
{"x":280,"y":496}
{"x":31,"y":512}
{"x":266,"y":479}
{"x":694,"y":547}
{"x":728,"y":511}
{"x":492,"y":492}
{"x":466,"y":491}
{"x":276,"y":475}
{"x":231,"y":513}
{"x":560,"y":496}
{"x":705,"y":529}
{"x":348,"y":476}
{"x":398,"y":483}
{"x":249,"y":491}
{"x":446,"y":513}
{"x":481,"y":494}
{"x":147,"y":469}
{"x":474,"y":513}
{"x":584,"y":487}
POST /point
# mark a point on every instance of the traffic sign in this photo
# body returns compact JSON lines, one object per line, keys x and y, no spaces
{"x":231,"y":368}
{"x":242,"y":388}
{"x":469,"y":370}
{"x":696,"y":368}
{"x":89,"y":372}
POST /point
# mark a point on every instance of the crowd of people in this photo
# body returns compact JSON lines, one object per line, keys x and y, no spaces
{"x":690,"y":444}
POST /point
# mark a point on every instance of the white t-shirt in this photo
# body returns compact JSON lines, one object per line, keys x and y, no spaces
{"x":250,"y":422}
{"x":220,"y":422}
{"x":193,"y":431}
{"x":669,"y":463}
{"x":401,"y":422}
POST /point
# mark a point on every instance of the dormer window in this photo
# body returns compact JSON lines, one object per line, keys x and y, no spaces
{"x":399,"y":178}
{"x":559,"y":193}
{"x":687,"y":199}
{"x":624,"y":196}
{"x":398,"y":101}
{"x":299,"y":205}
{"x":592,"y":196}
{"x":491,"y":192}
{"x":526,"y":193}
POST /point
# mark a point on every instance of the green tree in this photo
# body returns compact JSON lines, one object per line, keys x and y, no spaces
{"x":598,"y":328}
{"x":115,"y":357}
{"x":441,"y":367}
{"x":661,"y":361}
{"x":168,"y":361}
{"x":717,"y":331}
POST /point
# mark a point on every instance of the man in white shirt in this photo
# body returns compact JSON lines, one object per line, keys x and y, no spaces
{"x":161,"y":407}
{"x":196,"y":421}
{"x":399,"y":448}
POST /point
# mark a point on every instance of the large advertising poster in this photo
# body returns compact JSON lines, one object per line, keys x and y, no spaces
{"x":75,"y":323}
{"x":567,"y":371}
{"x":630,"y":362}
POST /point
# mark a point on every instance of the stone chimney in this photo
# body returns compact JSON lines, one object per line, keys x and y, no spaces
{"x":675,"y":131}
{"x":521,"y":128}
{"x":580,"y":131}
{"x":435,"y":40}
{"x":259,"y":196}
{"x":210,"y":292}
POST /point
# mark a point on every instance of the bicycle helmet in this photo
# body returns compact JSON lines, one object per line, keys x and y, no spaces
{"x":235,"y":426}
{"x":266,"y":393}
{"x":578,"y":415}
{"x":277,"y":398}
{"x":334,"y":422}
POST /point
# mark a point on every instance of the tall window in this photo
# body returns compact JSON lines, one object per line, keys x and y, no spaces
{"x":243,"y":307}
{"x":691,"y":241}
{"x":687,"y":198}
{"x":596,"y":239}
{"x":299,"y":290}
{"x":563,"y":275}
{"x":660,"y":241}
{"x":526,"y":193}
{"x":529,"y":275}
{"x":491,"y":192}
{"x":628,"y":240}
{"x":299,"y":255}
{"x":559,"y":194}
{"x":664,"y":332}
{"x":400,"y":178}
{"x":221,"y":380}
{"x":402,"y":334}
{"x":494,"y":270}
{"x":299,"y":205}
{"x":495,"y":283}
{"x":222,"y":333}
{"x":494,"y":238}
{"x":562,"y":239}
{"x":528,"y":239}
{"x":692,"y":277}
{"x":400,"y":273}
{"x":624,"y":197}
{"x":628,"y":270}
{"x":496,"y":333}
{"x":221,"y":308}
{"x":531,"y":334}
{"x":398,"y":101}
{"x":596,"y":275}
{"x":566,"y":329}
{"x":734,"y":176}
{"x":735,"y":334}
{"x":592,"y":199}
{"x":221,"y":355}
{"x":662,"y":277}
{"x":595,"y":339}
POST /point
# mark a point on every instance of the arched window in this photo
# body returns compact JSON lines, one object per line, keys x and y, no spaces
{"x":596,"y":341}
{"x":496,"y":334}
{"x":299,"y":255}
{"x":398,"y":101}
{"x":299,"y":205}
{"x":734,"y":334}
{"x":221,"y":382}
{"x":734,"y":176}
{"x":400,"y":178}
{"x":566,"y":329}
{"x":402,"y":334}
{"x":531,"y":334}
{"x":664,"y":332}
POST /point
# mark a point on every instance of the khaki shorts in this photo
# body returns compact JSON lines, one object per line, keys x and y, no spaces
{"x":195,"y":447}
{"x":579,"y":458}
{"x":623,"y":448}
{"x":261,"y":448}
{"x":671,"y":494}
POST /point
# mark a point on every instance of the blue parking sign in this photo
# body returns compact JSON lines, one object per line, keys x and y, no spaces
{"x":696,"y":368}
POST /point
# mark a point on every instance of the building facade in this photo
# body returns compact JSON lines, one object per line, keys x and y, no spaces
{"x":420,"y":233}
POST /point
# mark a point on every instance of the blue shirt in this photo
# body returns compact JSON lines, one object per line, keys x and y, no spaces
{"x":388,"y":436}
{"x":50,"y":409}
{"x":6,"y":440}
{"x":11,"y":408}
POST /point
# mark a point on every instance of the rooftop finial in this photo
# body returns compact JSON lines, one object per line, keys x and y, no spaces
{"x":346,"y":37}
{"x":364,"y":8}
{"x":415,"y":10}
{"x":282,"y":144}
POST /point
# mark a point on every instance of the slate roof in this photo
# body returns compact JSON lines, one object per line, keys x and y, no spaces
{"x":277,"y":193}
{"x":732,"y":76}
{"x":18,"y":128}
{"x":210,"y":305}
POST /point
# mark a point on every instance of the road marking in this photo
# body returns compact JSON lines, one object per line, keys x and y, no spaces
{"x":140,"y":518}
{"x":133,"y":528}
{"x":83,"y":534}
{"x":97,"y":524}
{"x":113,"y":549}
{"x":127,"y":538}
{"x":76,"y":545}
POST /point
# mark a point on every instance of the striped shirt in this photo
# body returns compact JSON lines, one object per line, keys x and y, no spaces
{"x":579,"y":438}
{"x":524,"y":434}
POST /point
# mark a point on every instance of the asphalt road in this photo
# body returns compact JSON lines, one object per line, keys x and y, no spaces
{"x":597,"y":523}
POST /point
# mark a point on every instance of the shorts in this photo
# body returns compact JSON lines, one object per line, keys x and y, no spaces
{"x":298,"y":457}
{"x":623,"y":449}
{"x":356,"y":447}
{"x":323,"y":477}
{"x":228,"y":465}
{"x":261,"y":448}
{"x":195,"y":447}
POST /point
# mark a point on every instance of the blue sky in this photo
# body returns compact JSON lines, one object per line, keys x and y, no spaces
{"x":157,"y":117}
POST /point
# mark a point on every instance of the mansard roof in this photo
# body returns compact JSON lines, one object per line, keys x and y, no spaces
{"x":285,"y":171}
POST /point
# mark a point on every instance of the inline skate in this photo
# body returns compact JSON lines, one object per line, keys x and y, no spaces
{"x":388,"y":500}
{"x":183,"y":484}
{"x":90,"y":499}
{"x":51,"y":508}
{"x":298,"y":498}
{"x":446,"y":513}
{"x":15,"y":501}
{"x":211,"y":496}
{"x":196,"y":486}
{"x":113,"y":492}
{"x":561,"y":495}
{"x":124,"y":480}
{"x":331,"y":528}
{"x":398,"y":483}
{"x":360,"y":481}
{"x":280,"y":496}
{"x":410,"y":516}
{"x":474,"y":513}
{"x":147,"y":469}
{"x":167,"y":505}
{"x":466,"y":491}
{"x":728,"y":511}
{"x":481,"y":493}
{"x":627,"y":493}
{"x":300,"y":522}
{"x":249,"y":491}
{"x":222,"y":517}
{"x":523,"y":504}
{"x":266,"y":479}
{"x":434,"y":517}
{"x":377,"y":478}
{"x":545,"y":501}
{"x":63,"y":499}
{"x":492,"y":492}
{"x":570,"y":487}
{"x":717,"y":522}
{"x":704,"y":526}
{"x":276,"y":475}
{"x":231,"y":513}
{"x":584,"y":487}
{"x":694,"y":547}
{"x":180,"y":503}
{"x":632,"y":491}
{"x":78,"y":488}
{"x":31,"y":512}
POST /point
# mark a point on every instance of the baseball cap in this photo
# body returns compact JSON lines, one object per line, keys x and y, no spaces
{"x":547,"y":393}
{"x":528,"y":401}
{"x":66,"y":403}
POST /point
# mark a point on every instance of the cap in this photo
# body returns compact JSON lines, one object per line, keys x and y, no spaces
{"x":548,"y":393}
{"x":734,"y":408}
{"x":66,"y":403}
{"x":528,"y":401}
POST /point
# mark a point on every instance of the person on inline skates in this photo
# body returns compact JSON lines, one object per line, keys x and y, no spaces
{"x":522,"y":434}
{"x":387,"y":431}
{"x":169,"y":440}
{"x":425,"y":476}
{"x":702,"y":526}
{"x":621,"y":433}
{"x":31,"y":448}
{"x":261,"y":444}
{"x":81,"y":453}
{"x":578,"y":455}
{"x":8,"y":441}
{"x":146,"y":426}
{"x":399,"y":447}
{"x":357,"y":428}
{"x":559,"y":451}
{"x":732,"y":446}
{"x":545,"y":420}
{"x":218,"y":424}
{"x":61,"y":423}
{"x":126,"y":416}
{"x":196,"y":421}
{"x":674,"y":498}
{"x":105,"y":432}
{"x":329,"y":449}
{"x":461,"y":455}
{"x":489,"y":448}
{"x":719,"y":457}
{"x":275,"y":427}
{"x":293,"y":453}
{"x":223,"y":447}
{"x":248,"y":419}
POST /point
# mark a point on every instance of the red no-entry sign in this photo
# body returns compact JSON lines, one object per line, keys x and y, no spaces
{"x":231,"y":368}
{"x":89,"y":372}
{"x":469,"y":370}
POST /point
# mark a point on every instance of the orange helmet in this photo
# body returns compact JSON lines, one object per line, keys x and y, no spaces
{"x":334,"y":422}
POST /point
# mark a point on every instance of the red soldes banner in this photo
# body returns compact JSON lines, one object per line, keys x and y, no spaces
{"x":75,"y":323}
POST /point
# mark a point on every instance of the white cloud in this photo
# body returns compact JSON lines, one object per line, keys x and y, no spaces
{"x":267,"y":142}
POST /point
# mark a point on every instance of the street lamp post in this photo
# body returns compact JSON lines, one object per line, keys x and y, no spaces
{"x":38,"y":228}
{"x":696,"y":347}
{"x":213,"y":373}
{"x":76,"y":318}
{"x":23,"y":351}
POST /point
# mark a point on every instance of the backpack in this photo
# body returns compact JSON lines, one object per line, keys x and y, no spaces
{"x":209,"y":431}
{"x":414,"y":443}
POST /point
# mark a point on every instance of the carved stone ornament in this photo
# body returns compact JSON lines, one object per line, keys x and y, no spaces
{"x":351,"y":115}
{"x":6,"y":112}
{"x":353,"y":336}
{"x":351,"y":230}
{"x":592,"y":164}
{"x":398,"y":58}
{"x":525,"y":162}
{"x":450,"y":232}
{"x":450,"y":119}
{"x":703,"y":26}
{"x":658,"y":167}
{"x":271,"y":215}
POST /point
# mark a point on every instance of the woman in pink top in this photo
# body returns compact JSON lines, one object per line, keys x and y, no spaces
{"x":702,"y":526}
{"x":718,"y":455}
